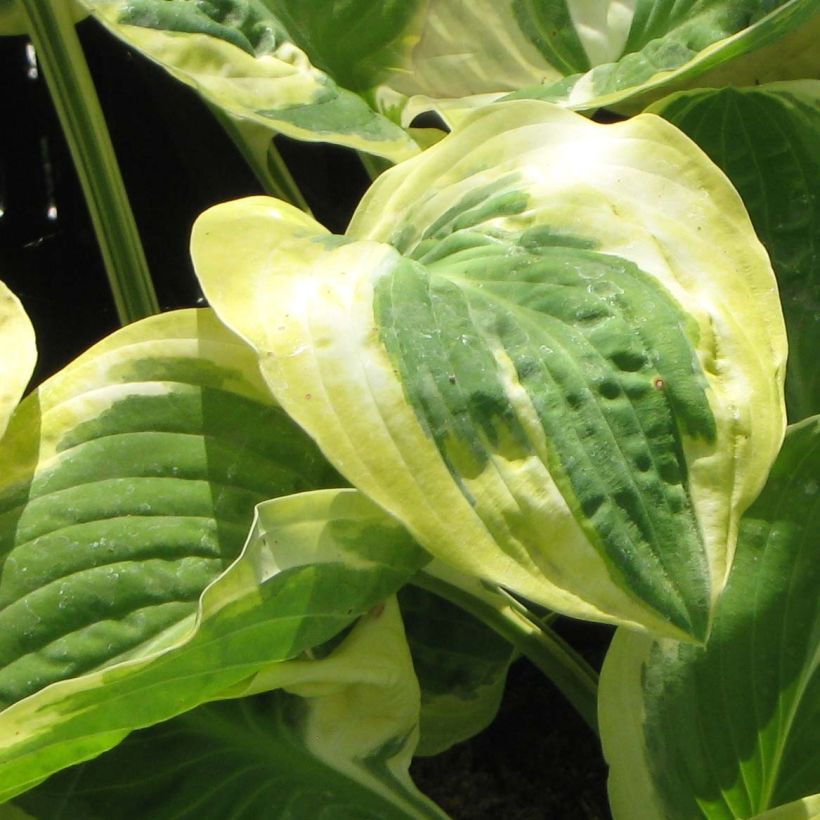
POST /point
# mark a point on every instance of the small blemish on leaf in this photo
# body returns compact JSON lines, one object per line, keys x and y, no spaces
{"x":308,"y":396}
{"x":659,"y":384}
{"x":377,"y":610}
{"x":451,"y":378}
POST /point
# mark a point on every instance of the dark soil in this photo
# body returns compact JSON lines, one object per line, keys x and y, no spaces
{"x":537,"y":761}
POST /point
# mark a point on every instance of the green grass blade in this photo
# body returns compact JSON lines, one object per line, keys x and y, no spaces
{"x":58,"y":49}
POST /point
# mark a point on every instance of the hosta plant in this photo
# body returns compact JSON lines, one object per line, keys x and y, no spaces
{"x":283,"y":64}
{"x":257,"y":556}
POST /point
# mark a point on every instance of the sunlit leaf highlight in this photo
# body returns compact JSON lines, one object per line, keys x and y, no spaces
{"x":541,"y":346}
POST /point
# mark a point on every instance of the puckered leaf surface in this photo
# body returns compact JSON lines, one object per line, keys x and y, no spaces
{"x":342,"y":750}
{"x":18,"y":353}
{"x":730,"y":729}
{"x":129,"y":485}
{"x":765,"y":138}
{"x":553,"y":349}
{"x":357,"y":72}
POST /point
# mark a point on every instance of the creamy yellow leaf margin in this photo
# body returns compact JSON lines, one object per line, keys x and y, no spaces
{"x":18,"y":353}
{"x":257,"y":88}
{"x":806,"y":809}
{"x":643,"y":192}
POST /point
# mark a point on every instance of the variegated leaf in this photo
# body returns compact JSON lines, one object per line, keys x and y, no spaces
{"x":129,"y":484}
{"x":341,"y":750}
{"x":356,"y":73}
{"x":553,"y":349}
{"x":18,"y":353}
{"x":730,"y":730}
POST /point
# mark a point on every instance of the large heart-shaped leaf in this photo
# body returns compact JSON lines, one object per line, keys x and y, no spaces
{"x":357,"y":73}
{"x":129,"y":484}
{"x":19,"y":353}
{"x":276,"y":755}
{"x":553,"y":349}
{"x":730,"y":729}
{"x":765,"y":138}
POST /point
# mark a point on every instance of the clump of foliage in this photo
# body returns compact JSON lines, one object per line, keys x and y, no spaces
{"x":541,"y":372}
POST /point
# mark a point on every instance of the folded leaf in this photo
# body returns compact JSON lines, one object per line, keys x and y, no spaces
{"x":765,"y":139}
{"x":793,"y":56}
{"x":312,"y":564}
{"x":274,"y":755}
{"x":730,"y":729}
{"x":18,"y":353}
{"x":552,"y":349}
{"x":129,"y":483}
{"x":241,"y":57}
{"x":461,"y":665}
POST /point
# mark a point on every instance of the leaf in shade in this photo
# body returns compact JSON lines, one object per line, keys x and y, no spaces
{"x":129,"y":485}
{"x":730,"y":730}
{"x":274,"y":755}
{"x":553,"y":349}
{"x":765,"y":139}
{"x":461,"y":665}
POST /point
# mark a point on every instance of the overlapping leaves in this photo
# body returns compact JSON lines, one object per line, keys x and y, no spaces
{"x":730,"y":729}
{"x":274,"y":755}
{"x":765,"y":139}
{"x":129,"y":485}
{"x":357,"y":73}
{"x":461,"y":665}
{"x":240,"y":56}
{"x":540,"y":346}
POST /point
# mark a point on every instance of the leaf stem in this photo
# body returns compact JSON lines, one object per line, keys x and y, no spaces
{"x":60,"y":54}
{"x":255,"y":143}
{"x":533,"y":638}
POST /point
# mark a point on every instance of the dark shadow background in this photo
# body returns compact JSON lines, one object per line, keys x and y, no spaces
{"x":176,"y":162}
